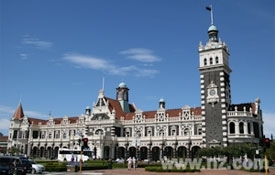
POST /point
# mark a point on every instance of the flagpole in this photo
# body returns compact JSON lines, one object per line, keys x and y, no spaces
{"x":212,"y":18}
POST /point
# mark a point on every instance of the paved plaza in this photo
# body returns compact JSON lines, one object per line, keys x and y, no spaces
{"x":141,"y":171}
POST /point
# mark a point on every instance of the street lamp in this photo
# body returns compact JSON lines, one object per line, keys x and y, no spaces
{"x":80,"y":141}
{"x":150,"y":146}
{"x":189,"y":145}
{"x":175,"y":145}
{"x":126,"y":148}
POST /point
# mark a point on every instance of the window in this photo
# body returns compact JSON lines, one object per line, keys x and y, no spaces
{"x":232,"y":128}
{"x":35,"y":134}
{"x":211,"y":61}
{"x":14,"y":134}
{"x":199,"y":131}
{"x":248,"y":128}
{"x":186,"y":132}
{"x":241,"y":127}
{"x":217,"y":60}
{"x":205,"y":61}
{"x":64,"y":135}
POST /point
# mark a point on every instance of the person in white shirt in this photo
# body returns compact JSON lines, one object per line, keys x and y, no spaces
{"x":134,"y":162}
{"x":129,"y":160}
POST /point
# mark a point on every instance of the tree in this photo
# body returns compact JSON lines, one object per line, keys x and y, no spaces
{"x":13,"y":151}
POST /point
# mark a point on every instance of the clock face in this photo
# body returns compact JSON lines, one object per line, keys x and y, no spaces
{"x":212,"y":92}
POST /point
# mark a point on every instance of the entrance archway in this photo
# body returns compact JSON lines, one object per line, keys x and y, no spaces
{"x":106,"y":152}
{"x":182,"y":152}
{"x":194,"y":151}
{"x":121,"y":152}
{"x":155,"y":153}
{"x":168,"y":152}
{"x":143,"y":153}
{"x":132,"y":152}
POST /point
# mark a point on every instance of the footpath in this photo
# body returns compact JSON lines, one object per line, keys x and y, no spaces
{"x":141,"y":171}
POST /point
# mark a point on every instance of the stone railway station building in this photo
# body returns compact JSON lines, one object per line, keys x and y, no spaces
{"x":117,"y":129}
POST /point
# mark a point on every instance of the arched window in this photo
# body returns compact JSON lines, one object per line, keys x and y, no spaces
{"x":232,"y":128}
{"x":205,"y":61}
{"x":186,"y":132}
{"x":211,"y":61}
{"x":199,"y":131}
{"x":248,"y":128}
{"x":217,"y":60}
{"x":241,"y":127}
{"x":64,"y":135}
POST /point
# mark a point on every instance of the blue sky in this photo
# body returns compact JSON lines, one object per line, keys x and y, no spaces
{"x":54,"y":54}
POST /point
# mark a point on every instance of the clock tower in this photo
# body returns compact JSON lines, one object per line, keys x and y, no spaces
{"x":215,"y":89}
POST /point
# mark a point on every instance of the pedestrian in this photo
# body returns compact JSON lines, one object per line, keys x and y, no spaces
{"x":14,"y":163}
{"x":134,"y":162}
{"x":129,"y":160}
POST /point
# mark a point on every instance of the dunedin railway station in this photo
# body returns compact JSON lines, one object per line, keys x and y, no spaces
{"x":117,"y":129}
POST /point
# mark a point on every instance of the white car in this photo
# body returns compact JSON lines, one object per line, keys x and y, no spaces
{"x":37,"y":168}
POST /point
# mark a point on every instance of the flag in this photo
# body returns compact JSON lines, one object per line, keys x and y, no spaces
{"x":208,"y":8}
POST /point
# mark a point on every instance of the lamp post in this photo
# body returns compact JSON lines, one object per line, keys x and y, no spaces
{"x":150,"y":147}
{"x":189,"y":145}
{"x":162,"y":145}
{"x":175,"y":145}
{"x":81,"y":149}
{"x":126,"y":148}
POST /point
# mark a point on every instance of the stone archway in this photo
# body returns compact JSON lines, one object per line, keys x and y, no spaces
{"x":42,"y":151}
{"x":106,"y":153}
{"x":168,"y":152}
{"x":55,"y":155}
{"x":143,"y":153}
{"x":182,"y":152}
{"x":121,"y":153}
{"x":194,"y":151}
{"x":49,"y":152}
{"x":34,"y":152}
{"x":155,"y":153}
{"x":132,"y":152}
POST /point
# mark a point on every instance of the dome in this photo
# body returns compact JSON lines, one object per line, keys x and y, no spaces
{"x":161,"y":100}
{"x":212,"y":27}
{"x":122,"y":85}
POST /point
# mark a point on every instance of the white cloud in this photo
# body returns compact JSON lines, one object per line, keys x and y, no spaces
{"x":23,"y":56}
{"x":269,"y":124}
{"x":89,"y":62}
{"x":35,"y":42}
{"x":94,"y":63}
{"x":140,"y":54}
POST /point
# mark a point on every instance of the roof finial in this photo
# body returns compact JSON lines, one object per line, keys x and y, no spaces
{"x":210,"y":8}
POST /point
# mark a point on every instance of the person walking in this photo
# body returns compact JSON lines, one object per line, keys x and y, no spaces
{"x":134,"y":162}
{"x":14,"y":163}
{"x":129,"y":160}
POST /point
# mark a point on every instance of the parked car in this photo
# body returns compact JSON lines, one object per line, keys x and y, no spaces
{"x":26,"y":164}
{"x":37,"y":168}
{"x":11,"y":164}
